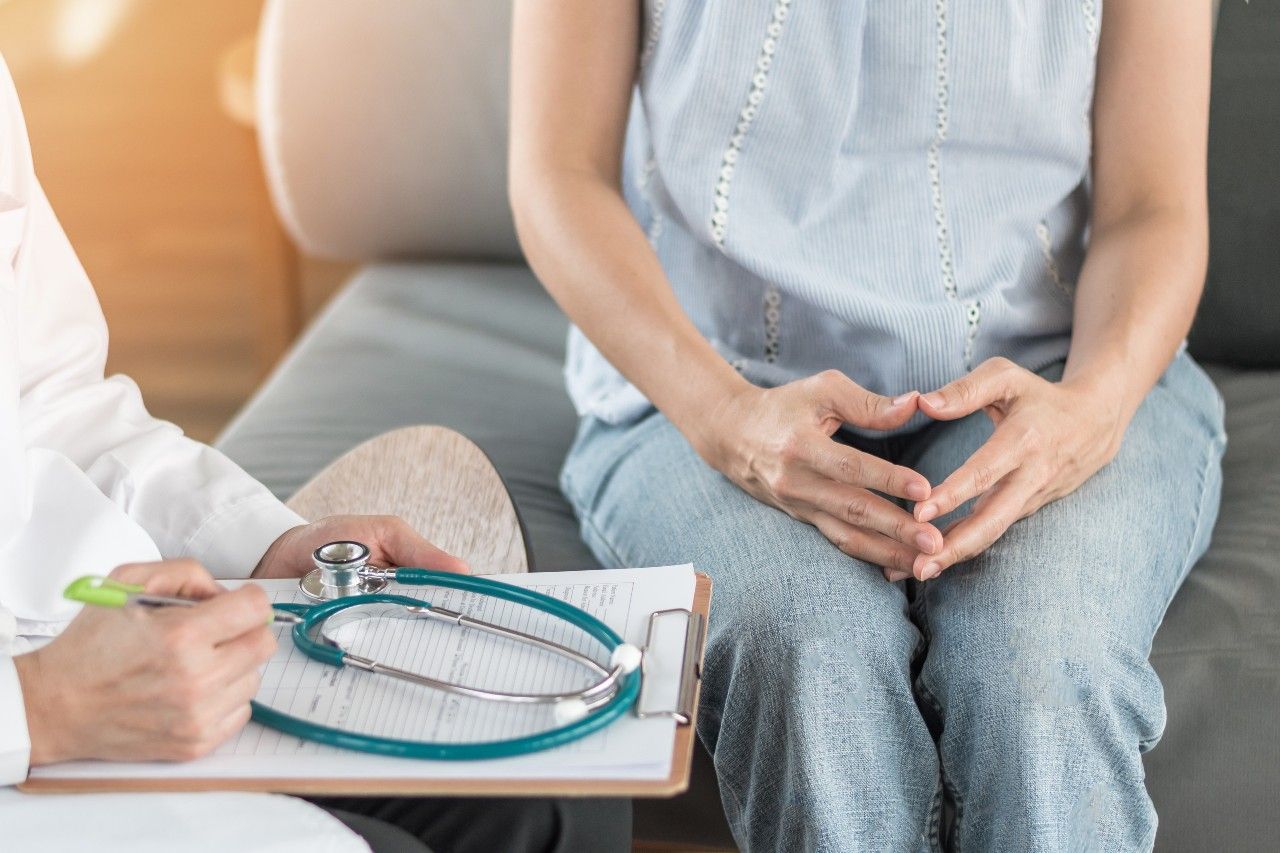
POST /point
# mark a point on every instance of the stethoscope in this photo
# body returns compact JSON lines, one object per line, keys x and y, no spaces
{"x":347,"y":588}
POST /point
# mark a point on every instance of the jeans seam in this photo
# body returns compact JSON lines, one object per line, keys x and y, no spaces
{"x":1146,"y":744}
{"x":958,"y":799}
{"x":918,"y":609}
{"x":596,"y":533}
{"x":935,"y":811}
{"x":726,"y":789}
{"x":1209,"y":456}
{"x":1214,"y":450}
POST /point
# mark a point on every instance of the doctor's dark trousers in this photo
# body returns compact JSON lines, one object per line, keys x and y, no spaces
{"x":485,"y":825}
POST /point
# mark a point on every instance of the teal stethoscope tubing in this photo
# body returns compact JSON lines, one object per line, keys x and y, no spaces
{"x":313,"y":615}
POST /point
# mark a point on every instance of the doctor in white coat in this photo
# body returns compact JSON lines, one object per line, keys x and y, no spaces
{"x":90,"y":483}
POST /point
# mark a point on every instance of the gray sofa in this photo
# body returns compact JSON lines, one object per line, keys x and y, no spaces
{"x":387,"y":147}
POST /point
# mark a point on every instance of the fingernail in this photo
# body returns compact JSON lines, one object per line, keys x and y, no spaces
{"x":903,"y":399}
{"x":917,"y":491}
{"x":925,"y":542}
{"x":930,"y":570}
{"x":895,"y":575}
{"x":926,"y":512}
{"x":934,"y":400}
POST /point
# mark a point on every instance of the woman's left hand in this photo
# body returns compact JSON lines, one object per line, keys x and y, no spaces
{"x":1049,"y":438}
{"x":391,"y":542}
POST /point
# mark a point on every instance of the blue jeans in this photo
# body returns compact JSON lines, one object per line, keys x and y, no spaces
{"x":843,"y":711}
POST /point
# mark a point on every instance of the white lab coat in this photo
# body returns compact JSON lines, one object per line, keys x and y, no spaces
{"x":89,"y":480}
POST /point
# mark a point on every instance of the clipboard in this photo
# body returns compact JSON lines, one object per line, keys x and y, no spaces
{"x":677,"y":782}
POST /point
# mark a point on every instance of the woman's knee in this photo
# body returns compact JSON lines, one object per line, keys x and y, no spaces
{"x":802,"y":640}
{"x":1043,"y":684}
{"x":1042,"y":740}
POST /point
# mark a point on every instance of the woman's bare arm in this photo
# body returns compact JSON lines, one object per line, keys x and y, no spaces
{"x":573,"y":70}
{"x":1149,"y":242}
{"x":1136,"y":296}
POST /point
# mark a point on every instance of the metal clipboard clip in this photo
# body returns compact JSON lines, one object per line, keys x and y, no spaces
{"x":695,"y":635}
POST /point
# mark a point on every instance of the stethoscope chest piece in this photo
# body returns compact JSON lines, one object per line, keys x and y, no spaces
{"x":341,"y":570}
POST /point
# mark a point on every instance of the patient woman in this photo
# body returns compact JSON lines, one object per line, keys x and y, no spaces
{"x":879,"y":316}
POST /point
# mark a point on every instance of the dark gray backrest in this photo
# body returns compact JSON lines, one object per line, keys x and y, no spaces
{"x":1239,"y":318}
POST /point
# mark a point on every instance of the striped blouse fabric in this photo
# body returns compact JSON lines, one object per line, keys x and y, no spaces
{"x":893,"y":188}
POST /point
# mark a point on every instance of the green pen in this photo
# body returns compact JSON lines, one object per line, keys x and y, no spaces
{"x":105,"y":592}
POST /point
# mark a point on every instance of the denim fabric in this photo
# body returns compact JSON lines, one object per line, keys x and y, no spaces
{"x":843,"y":711}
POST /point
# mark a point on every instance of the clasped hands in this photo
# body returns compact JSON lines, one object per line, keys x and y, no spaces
{"x":1049,"y":438}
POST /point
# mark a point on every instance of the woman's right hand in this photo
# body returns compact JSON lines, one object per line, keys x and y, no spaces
{"x":777,"y":445}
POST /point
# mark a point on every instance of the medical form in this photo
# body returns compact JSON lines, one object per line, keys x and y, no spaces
{"x":631,"y":748}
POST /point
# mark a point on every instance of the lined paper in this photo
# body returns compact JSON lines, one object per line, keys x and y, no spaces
{"x":354,"y":700}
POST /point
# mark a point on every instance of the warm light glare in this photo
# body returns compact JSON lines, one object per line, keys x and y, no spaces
{"x":82,"y":27}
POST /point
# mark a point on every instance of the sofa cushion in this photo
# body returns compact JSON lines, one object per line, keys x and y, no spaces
{"x":1215,"y":775}
{"x":479,"y":349}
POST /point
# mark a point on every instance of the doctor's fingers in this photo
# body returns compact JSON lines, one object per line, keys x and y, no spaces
{"x":231,"y":724}
{"x":861,"y":508}
{"x":186,"y":578}
{"x":220,"y":618}
{"x":843,"y":464}
{"x":866,"y":545}
{"x":404,"y":546}
{"x":244,"y":653}
{"x":231,"y":704}
{"x":195,"y":731}
{"x":190,"y":665}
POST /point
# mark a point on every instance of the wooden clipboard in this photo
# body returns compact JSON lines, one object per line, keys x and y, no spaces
{"x":676,"y":783}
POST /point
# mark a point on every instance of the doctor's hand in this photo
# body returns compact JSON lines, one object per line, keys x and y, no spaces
{"x":1050,"y":437}
{"x":391,"y":542}
{"x":777,"y":445}
{"x":139,"y":683}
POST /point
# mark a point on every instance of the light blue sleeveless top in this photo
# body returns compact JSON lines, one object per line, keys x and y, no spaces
{"x":895,"y":189}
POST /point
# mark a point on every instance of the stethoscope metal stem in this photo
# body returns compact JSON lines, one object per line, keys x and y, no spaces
{"x":591,"y":695}
{"x":588,"y":695}
{"x":461,"y":619}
